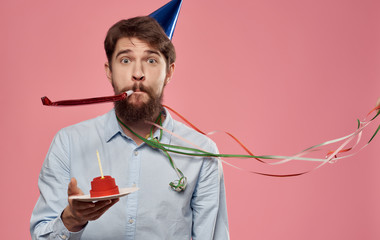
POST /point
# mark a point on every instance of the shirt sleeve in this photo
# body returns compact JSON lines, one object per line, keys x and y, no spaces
{"x":210,"y":220}
{"x":46,"y":222}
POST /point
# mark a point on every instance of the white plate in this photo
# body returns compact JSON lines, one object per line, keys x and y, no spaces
{"x":88,"y":198}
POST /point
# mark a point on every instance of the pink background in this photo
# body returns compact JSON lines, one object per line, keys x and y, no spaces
{"x":280,"y":75}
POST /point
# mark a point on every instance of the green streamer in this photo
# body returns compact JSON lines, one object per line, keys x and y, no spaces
{"x":177,"y":185}
{"x":180,"y":184}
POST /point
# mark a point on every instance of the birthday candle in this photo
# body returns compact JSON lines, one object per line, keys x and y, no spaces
{"x":100,"y":164}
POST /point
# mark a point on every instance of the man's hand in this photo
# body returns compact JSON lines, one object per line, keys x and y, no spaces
{"x":378,"y":102}
{"x":77,"y":214}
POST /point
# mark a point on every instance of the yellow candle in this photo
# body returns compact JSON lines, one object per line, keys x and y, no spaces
{"x":100,"y":164}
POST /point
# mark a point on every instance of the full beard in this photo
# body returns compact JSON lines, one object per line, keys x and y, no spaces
{"x":129,"y":113}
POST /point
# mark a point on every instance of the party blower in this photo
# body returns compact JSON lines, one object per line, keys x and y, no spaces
{"x":47,"y":102}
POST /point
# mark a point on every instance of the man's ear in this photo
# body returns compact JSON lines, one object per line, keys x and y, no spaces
{"x":170,"y":73}
{"x":108,"y":71}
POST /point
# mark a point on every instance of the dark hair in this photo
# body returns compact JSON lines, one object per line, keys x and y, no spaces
{"x":144,"y":28}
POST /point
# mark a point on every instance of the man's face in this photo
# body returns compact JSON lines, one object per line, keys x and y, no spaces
{"x":138,"y":66}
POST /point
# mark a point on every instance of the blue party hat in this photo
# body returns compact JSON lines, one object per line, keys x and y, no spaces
{"x":167,"y":16}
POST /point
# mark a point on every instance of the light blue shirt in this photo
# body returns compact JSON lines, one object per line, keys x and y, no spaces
{"x":155,"y":211}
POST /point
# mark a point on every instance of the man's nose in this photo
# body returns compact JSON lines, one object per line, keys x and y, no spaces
{"x":138,"y":72}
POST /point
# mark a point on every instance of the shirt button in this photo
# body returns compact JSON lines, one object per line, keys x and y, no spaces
{"x":131,"y":221}
{"x":136,"y":153}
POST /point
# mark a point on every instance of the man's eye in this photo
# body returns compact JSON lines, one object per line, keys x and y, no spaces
{"x":125,"y":60}
{"x":151,"y":60}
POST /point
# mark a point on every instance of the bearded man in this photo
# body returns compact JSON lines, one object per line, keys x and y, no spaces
{"x":140,"y":58}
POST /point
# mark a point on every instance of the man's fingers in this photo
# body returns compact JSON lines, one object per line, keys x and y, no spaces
{"x":73,"y":188}
{"x":84,"y":211}
{"x":78,"y":205}
{"x":88,"y":209}
{"x":95,"y":215}
{"x":378,"y":102}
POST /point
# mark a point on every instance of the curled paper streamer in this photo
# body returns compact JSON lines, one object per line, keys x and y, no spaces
{"x":330,"y":157}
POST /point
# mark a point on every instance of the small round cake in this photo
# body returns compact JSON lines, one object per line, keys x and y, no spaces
{"x":103,"y":187}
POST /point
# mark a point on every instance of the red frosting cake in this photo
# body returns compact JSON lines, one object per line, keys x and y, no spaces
{"x":103,"y":187}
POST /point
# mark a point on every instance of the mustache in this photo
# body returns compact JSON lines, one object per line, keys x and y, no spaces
{"x":139,"y":87}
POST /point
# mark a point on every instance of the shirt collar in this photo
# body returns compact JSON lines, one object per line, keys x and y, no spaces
{"x":113,"y":128}
{"x":168,"y":124}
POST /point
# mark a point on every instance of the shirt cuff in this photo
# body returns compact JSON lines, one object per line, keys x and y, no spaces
{"x":64,"y":233}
